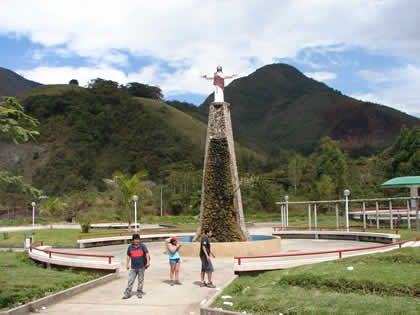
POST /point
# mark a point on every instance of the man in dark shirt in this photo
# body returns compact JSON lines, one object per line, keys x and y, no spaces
{"x":206,"y":265}
{"x":140,"y":260}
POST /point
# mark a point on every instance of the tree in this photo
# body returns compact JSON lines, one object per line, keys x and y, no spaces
{"x":144,"y":90}
{"x":295,"y":171}
{"x":404,"y":155}
{"x":74,"y":82}
{"x":331,"y":161}
{"x":128,"y":187}
{"x":51,"y":206}
{"x":15,"y":125}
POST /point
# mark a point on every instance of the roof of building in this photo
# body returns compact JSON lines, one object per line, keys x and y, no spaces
{"x":407,"y":181}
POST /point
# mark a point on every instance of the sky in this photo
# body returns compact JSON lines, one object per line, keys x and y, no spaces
{"x":367,"y":49}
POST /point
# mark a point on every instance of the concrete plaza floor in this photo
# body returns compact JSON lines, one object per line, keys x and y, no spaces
{"x":161,"y":298}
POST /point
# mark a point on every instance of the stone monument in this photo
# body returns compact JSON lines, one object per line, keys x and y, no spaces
{"x":221,"y":202}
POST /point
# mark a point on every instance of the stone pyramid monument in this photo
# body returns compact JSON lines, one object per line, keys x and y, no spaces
{"x":221,"y":201}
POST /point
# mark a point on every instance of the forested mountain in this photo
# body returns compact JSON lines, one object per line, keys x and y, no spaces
{"x":12,"y":84}
{"x":89,"y":133}
{"x":279,"y":107}
{"x":95,"y":131}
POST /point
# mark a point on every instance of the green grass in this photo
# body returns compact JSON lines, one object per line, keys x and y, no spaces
{"x":50,"y":237}
{"x":22,"y":280}
{"x":385,"y":283}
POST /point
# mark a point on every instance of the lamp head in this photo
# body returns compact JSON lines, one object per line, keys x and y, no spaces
{"x":135,"y":198}
{"x":286,"y":197}
{"x":33,"y":204}
{"x":346,"y":192}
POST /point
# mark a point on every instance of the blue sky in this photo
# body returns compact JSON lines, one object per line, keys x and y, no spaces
{"x":367,"y":49}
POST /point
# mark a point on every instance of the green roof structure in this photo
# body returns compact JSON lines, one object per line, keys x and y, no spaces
{"x":408,"y":181}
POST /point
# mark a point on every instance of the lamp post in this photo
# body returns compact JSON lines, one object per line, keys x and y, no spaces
{"x":346,"y":194}
{"x":135,"y":198}
{"x":33,"y":214}
{"x":287,"y":210}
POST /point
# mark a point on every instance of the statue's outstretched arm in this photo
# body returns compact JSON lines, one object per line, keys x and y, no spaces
{"x":207,"y":77}
{"x":230,"y":76}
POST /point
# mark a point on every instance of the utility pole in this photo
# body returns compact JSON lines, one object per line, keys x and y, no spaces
{"x":161,"y":200}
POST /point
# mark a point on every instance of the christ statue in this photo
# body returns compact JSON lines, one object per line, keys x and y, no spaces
{"x":219,"y":83}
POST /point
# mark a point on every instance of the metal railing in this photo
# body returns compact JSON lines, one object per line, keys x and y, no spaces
{"x":285,"y":210}
{"x":320,"y":228}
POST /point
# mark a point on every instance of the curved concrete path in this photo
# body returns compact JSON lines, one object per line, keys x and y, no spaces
{"x":161,"y":298}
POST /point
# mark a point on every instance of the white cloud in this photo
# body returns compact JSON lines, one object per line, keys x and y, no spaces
{"x":321,"y":76}
{"x":397,"y":88}
{"x":195,"y":36}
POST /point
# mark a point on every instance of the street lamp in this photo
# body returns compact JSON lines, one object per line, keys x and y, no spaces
{"x":33,"y":214}
{"x":135,"y":198}
{"x":287,"y":210}
{"x":346,"y":194}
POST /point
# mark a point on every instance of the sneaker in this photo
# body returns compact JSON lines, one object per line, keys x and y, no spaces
{"x":139,"y":295}
{"x":210,"y":285}
{"x":177,"y":282}
{"x":126,"y":297}
{"x":203,"y":284}
{"x":171,"y":283}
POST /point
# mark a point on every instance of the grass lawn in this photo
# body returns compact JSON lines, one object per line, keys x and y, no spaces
{"x":384,"y":283}
{"x":50,"y":237}
{"x":22,"y":280}
{"x":67,"y":236}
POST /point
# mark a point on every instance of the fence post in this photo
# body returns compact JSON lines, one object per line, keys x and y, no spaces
{"x":281,"y":217}
{"x":337,"y":222}
{"x":391,"y":223}
{"x":315,"y":218}
{"x":377,"y":216}
{"x":364,"y":214}
{"x":309,"y":217}
{"x":408,"y":215}
{"x":417,"y":216}
{"x":287,"y":210}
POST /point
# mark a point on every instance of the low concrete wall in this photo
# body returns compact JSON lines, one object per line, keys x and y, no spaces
{"x":35,"y":306}
{"x":231,"y":249}
{"x":340,"y":235}
{"x":101,"y":263}
{"x":114,"y":240}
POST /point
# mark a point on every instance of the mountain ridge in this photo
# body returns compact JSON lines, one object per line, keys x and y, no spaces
{"x":277,"y":105}
{"x":12,"y":83}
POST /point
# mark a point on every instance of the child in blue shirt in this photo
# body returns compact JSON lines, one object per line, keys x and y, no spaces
{"x":174,"y":260}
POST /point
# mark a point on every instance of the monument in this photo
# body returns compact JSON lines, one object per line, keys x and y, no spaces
{"x":221,"y":202}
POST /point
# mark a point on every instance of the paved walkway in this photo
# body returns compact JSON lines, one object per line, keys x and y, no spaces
{"x":161,"y":298}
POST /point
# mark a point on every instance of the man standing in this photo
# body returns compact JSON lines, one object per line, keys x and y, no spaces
{"x":140,"y":260}
{"x":206,"y":265}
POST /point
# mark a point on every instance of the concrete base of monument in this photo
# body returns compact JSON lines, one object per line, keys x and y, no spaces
{"x":264,"y":245}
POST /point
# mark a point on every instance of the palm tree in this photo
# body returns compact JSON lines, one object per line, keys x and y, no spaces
{"x":128,"y":187}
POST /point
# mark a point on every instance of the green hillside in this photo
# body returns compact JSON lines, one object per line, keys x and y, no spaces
{"x":279,"y":107}
{"x":92,"y":132}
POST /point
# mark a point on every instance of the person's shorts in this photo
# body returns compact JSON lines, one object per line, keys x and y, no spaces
{"x":174,"y":261}
{"x":206,"y":265}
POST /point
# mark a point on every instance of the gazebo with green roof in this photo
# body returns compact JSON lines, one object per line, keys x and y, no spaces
{"x":412,"y":182}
